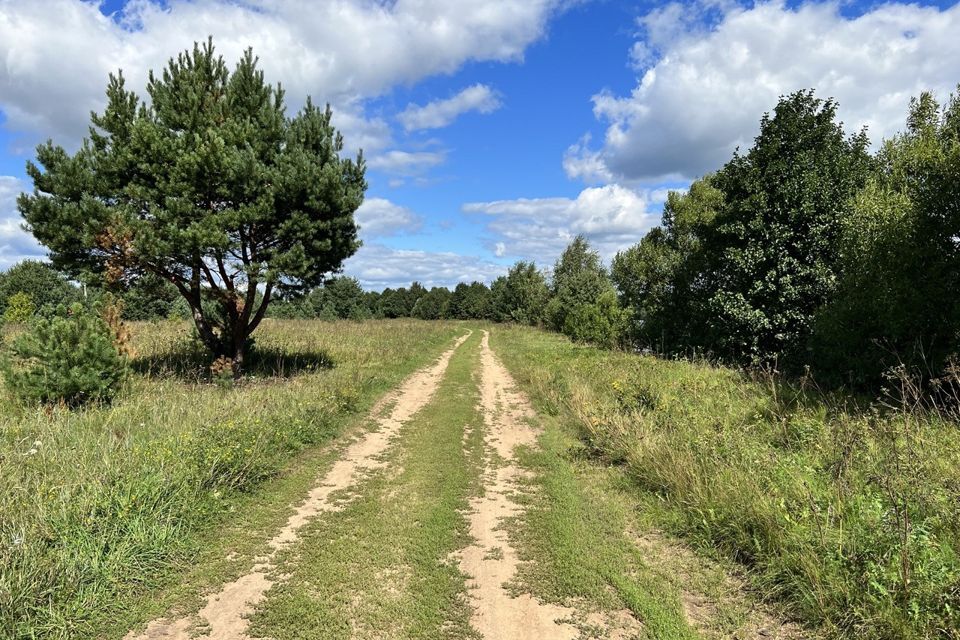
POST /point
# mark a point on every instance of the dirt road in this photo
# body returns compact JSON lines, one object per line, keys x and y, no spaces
{"x":425,"y":525}
{"x":224,"y":617}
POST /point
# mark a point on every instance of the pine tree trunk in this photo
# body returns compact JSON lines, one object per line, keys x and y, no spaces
{"x":240,"y":335}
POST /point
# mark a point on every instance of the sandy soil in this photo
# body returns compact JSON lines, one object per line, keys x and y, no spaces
{"x":224,"y":616}
{"x":492,"y":560}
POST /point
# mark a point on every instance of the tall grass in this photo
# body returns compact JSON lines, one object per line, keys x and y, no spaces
{"x":849,"y":515}
{"x":97,"y":504}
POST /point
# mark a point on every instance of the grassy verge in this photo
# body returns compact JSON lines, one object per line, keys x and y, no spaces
{"x":380,"y":567}
{"x":574,"y":546}
{"x":101,"y":506}
{"x":850,"y":518}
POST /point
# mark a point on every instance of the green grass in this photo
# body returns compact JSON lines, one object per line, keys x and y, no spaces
{"x":381,"y":567}
{"x":574,"y":544}
{"x":849,"y":518}
{"x":100,"y":508}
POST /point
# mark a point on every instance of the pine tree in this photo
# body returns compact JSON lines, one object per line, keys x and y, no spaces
{"x":208,"y":185}
{"x":69,"y":356}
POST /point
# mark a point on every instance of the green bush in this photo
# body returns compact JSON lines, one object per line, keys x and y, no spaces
{"x":20,"y":307}
{"x":67,"y":357}
{"x":602,"y":323}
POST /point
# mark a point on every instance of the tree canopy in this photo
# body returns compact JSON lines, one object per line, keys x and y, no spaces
{"x":40,"y":282}
{"x":774,"y":244}
{"x":208,"y":185}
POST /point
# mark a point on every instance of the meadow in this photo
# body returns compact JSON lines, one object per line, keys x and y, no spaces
{"x":842,"y":512}
{"x":101,"y":505}
{"x":848,"y":513}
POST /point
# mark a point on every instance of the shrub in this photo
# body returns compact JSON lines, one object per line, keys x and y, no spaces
{"x":19,"y":308}
{"x":602,"y":323}
{"x":67,"y":357}
{"x":44,"y":284}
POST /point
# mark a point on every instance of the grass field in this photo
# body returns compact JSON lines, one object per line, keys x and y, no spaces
{"x":665,"y":499}
{"x":850,"y":517}
{"x":99,"y":506}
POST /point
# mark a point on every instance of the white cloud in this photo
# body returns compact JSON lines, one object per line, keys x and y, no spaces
{"x":378,"y":267}
{"x":441,"y":113}
{"x":406,"y":163}
{"x":708,"y":76}
{"x":340,"y":51}
{"x":15,"y":243}
{"x":612,"y":217}
{"x":378,"y":217}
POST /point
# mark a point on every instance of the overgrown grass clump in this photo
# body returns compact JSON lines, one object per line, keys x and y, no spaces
{"x":849,"y":515}
{"x":100,"y":504}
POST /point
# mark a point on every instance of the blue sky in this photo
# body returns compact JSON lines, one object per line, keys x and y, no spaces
{"x":495,"y":130}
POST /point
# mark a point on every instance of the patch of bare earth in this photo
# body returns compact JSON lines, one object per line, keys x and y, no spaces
{"x":225,"y":614}
{"x":491,"y":561}
{"x":715,"y":603}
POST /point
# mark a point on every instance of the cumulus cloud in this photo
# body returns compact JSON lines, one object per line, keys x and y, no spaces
{"x":340,"y":51}
{"x":15,"y":243}
{"x":612,"y":217}
{"x":378,"y":217}
{"x":441,"y":113}
{"x":377,"y":266}
{"x":707,"y":77}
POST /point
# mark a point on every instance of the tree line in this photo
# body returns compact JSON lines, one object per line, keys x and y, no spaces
{"x":805,"y":253}
{"x":808,"y":250}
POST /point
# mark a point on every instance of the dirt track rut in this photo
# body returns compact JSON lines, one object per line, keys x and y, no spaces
{"x":224,"y":616}
{"x":491,"y":561}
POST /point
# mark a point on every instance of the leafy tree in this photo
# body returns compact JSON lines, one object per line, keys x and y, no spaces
{"x":41,"y":282}
{"x":898,"y":298}
{"x":661,"y":278}
{"x":412,"y":296}
{"x":208,"y":185}
{"x":433,"y":305}
{"x":371,"y":304}
{"x":69,"y":356}
{"x":775,"y":245}
{"x":521,"y":296}
{"x":470,"y":301}
{"x":393,"y":303}
{"x":578,"y":279}
{"x":340,"y":297}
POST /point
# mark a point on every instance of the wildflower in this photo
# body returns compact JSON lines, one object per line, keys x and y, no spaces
{"x":16,"y":539}
{"x":32,"y":452}
{"x":37,"y":443}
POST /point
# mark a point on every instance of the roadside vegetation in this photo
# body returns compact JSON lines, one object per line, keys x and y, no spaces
{"x":849,"y":516}
{"x":99,"y":504}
